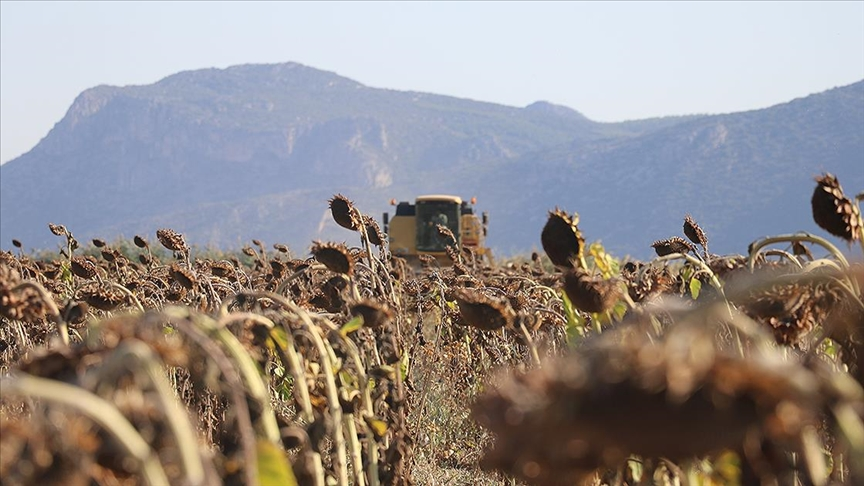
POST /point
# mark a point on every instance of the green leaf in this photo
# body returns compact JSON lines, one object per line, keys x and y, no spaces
{"x":695,"y":287}
{"x":575,"y":322}
{"x":66,"y":272}
{"x":351,"y":326}
{"x":273,"y":466}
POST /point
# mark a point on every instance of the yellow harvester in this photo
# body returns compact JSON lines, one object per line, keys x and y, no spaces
{"x":413,"y":228}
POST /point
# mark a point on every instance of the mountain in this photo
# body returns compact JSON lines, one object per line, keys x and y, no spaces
{"x":255,"y":151}
{"x":741,"y":175}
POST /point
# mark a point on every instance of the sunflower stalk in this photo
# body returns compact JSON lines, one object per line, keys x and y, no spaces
{"x":128,"y":294}
{"x":184,"y":321}
{"x":134,"y":354}
{"x":801,"y":237}
{"x":535,"y":357}
{"x":248,"y":368}
{"x":292,"y":360}
{"x":96,"y":409}
{"x":328,"y":365}
{"x":367,"y":403}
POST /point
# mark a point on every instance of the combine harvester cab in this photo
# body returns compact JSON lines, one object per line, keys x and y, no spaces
{"x":413,"y":228}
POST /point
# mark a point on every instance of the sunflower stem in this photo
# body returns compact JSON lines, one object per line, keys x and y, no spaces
{"x":129,"y":294}
{"x":535,"y":357}
{"x":759,"y":244}
{"x":135,"y":354}
{"x":96,"y":409}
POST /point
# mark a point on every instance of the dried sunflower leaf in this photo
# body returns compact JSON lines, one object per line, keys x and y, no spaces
{"x":377,"y":426}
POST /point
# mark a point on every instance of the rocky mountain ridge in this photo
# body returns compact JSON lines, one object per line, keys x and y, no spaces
{"x":255,"y":151}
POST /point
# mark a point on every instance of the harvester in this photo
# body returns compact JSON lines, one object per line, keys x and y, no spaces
{"x":413,"y":229}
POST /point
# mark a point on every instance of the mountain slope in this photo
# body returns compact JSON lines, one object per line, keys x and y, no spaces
{"x":255,"y":151}
{"x":741,"y":175}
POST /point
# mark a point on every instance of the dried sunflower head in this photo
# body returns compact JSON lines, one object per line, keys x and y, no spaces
{"x":277,"y":268}
{"x":50,"y":270}
{"x":75,"y":313}
{"x":483,"y":312}
{"x":175,"y":292}
{"x":561,"y":239}
{"x":222,"y":269}
{"x":139,"y":242}
{"x":102,"y":297}
{"x":111,"y":255}
{"x":445,"y":233}
{"x":373,"y":231}
{"x":375,"y":314}
{"x":82,"y":267}
{"x":171,"y":240}
{"x":426,"y":261}
{"x":23,"y":304}
{"x":344,"y":212}
{"x":183,"y":276}
{"x":672,"y":245}
{"x":330,"y":297}
{"x":58,"y":229}
{"x":791,"y":311}
{"x":833,"y":211}
{"x":336,"y":258}
{"x":590,"y":294}
{"x":694,"y":232}
{"x":626,"y":394}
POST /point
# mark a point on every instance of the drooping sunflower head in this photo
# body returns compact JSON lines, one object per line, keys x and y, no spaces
{"x":590,"y":294}
{"x":344,"y":212}
{"x":694,"y":232}
{"x":833,"y":211}
{"x":335,"y":257}
{"x":562,"y":241}
{"x":483,"y":312}
{"x":375,"y":314}
{"x":171,"y":239}
{"x":676,"y":244}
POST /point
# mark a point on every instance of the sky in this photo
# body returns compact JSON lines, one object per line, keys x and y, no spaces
{"x":612,"y":61}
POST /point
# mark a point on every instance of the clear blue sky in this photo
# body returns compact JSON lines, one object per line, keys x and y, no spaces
{"x":611,"y":61}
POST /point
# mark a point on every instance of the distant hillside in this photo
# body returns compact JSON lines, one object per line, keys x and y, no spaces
{"x":255,"y":151}
{"x":741,"y":175}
